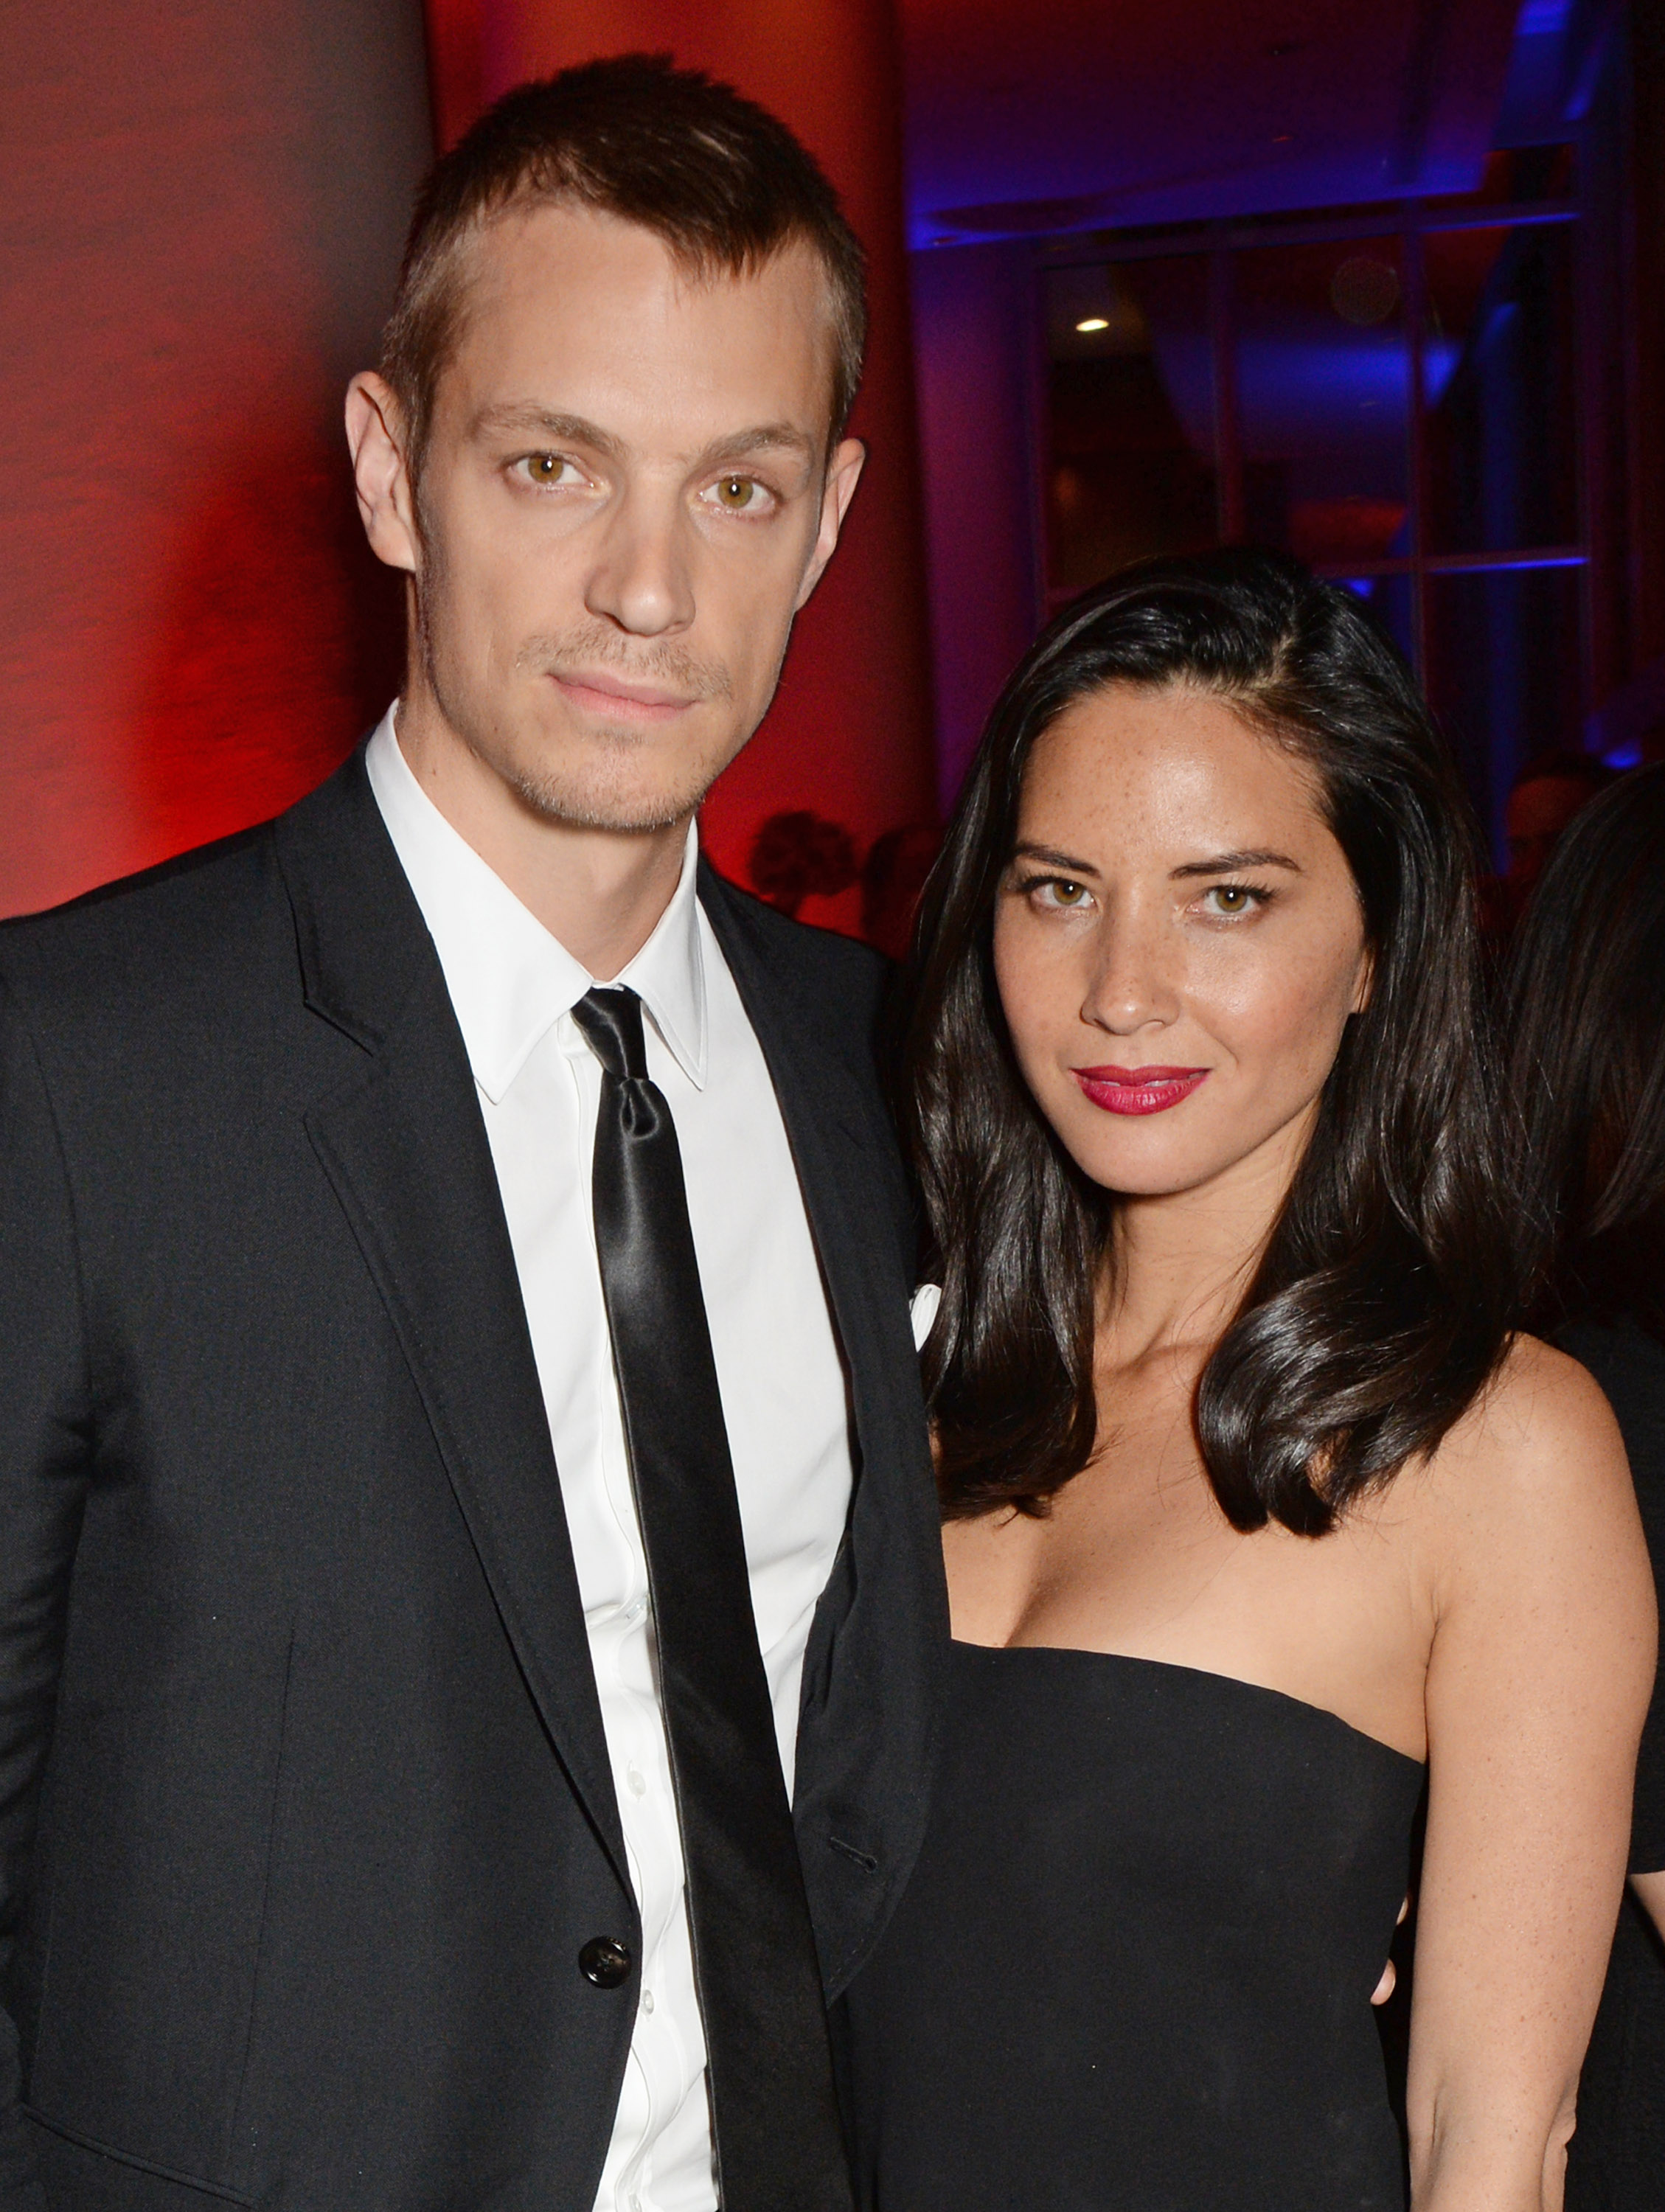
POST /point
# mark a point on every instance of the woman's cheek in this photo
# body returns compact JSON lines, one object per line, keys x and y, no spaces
{"x":1285,"y":1014}
{"x":1030,"y":988}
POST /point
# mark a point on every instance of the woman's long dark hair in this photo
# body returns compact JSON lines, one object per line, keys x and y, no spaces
{"x":1586,"y":1025}
{"x":1381,"y":1303}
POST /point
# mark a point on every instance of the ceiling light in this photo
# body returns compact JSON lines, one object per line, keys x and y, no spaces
{"x":1091,"y":323}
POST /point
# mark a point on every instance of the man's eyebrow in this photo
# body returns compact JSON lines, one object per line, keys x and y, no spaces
{"x":762,"y":438}
{"x":528,"y":420}
{"x":1051,"y":857}
{"x":1228,"y":864}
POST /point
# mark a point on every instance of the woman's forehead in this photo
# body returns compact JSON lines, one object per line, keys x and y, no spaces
{"x":1165,"y":752}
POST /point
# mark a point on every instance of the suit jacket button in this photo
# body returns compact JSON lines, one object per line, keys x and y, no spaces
{"x":605,"y":1961}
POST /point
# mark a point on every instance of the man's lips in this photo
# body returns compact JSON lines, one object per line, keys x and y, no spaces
{"x":598,"y":691}
{"x":1138,"y":1089}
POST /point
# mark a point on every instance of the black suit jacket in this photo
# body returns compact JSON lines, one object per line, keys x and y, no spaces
{"x":306,"y":1809}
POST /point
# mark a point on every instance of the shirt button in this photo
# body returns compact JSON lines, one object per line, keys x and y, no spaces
{"x":635,"y":2202}
{"x":647,"y":2000}
{"x":635,"y":1611}
{"x":638,"y":1783}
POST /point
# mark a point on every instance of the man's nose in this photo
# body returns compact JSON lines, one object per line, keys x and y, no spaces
{"x":641,"y":578}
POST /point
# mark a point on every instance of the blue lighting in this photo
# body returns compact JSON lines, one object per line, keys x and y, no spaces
{"x":1515,"y":560}
{"x":1440,"y":356}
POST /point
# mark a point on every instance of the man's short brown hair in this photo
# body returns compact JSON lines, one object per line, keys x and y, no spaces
{"x":719,"y":179}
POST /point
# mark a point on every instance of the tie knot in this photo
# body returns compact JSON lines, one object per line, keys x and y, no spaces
{"x":611,"y":1023}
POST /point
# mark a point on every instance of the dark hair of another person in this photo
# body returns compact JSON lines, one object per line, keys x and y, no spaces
{"x":1381,"y":1304}
{"x":1587,"y":1025}
{"x":724,"y":183}
{"x":1562,"y":765}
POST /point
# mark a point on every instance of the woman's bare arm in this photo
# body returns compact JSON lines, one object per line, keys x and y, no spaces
{"x":1542,"y":1666}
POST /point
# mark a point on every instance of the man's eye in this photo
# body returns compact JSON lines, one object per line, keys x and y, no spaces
{"x":546,"y":468}
{"x":739,"y":494}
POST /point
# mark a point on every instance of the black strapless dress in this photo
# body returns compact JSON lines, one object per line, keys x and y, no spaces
{"x":1132,"y":1970}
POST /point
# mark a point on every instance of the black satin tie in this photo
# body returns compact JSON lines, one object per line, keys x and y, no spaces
{"x":774,"y":2117}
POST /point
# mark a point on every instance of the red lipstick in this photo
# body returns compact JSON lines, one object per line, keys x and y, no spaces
{"x":1138,"y":1089}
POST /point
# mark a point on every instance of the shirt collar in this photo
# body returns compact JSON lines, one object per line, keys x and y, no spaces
{"x":509,"y":980}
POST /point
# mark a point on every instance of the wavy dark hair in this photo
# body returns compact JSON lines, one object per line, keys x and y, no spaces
{"x":1382,"y":1301}
{"x":1587,"y":1034}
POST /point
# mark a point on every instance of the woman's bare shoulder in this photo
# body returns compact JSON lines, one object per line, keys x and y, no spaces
{"x":1540,"y":1399}
{"x":1540,"y":1418}
{"x":1536,"y":1465}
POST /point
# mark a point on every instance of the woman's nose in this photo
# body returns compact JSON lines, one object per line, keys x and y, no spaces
{"x":1130,"y":986}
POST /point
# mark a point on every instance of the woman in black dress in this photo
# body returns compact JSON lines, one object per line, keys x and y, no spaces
{"x":1254,"y":1509}
{"x":1587,"y":1008}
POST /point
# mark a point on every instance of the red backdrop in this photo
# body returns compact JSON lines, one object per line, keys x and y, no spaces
{"x":201,"y":226}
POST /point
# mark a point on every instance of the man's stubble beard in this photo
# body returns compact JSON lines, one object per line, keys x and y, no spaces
{"x":586,"y":802}
{"x":590,"y":806}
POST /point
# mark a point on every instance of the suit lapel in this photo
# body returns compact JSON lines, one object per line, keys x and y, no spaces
{"x":831,"y":1123}
{"x":404,"y":1146}
{"x":867,"y":1738}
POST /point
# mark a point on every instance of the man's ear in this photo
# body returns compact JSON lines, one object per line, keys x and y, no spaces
{"x":843,"y":473}
{"x":385,"y":503}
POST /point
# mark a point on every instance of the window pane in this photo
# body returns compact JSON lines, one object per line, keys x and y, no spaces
{"x":1503,"y":675}
{"x":1498,"y":382}
{"x":1131,"y":467}
{"x":1323,"y":394}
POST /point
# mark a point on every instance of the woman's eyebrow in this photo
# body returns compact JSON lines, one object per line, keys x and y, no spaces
{"x":1053,"y":858}
{"x":1226,"y":864}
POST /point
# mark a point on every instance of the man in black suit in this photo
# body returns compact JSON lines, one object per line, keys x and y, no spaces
{"x":461,"y":1457}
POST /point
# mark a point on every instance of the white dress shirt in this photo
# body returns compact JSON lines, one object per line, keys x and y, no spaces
{"x":778,"y":1366}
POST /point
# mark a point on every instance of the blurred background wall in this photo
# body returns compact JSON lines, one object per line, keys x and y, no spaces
{"x":1383,"y":285}
{"x":201,"y":203}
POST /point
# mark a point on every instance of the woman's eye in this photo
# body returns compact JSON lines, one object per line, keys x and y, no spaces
{"x":1229,"y":899}
{"x":544,"y":468}
{"x":1059,"y":891}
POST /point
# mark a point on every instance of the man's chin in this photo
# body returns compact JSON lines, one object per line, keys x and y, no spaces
{"x":627,"y":808}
